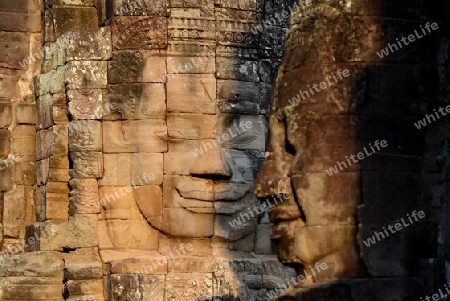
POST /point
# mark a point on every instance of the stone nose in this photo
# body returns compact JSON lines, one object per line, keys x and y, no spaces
{"x":211,"y":163}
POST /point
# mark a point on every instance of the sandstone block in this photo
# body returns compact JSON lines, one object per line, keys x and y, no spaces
{"x":57,"y":201}
{"x":59,"y":169}
{"x":150,"y":202}
{"x":243,"y":131}
{"x":14,"y":50}
{"x":60,"y":146}
{"x":237,"y":69}
{"x":189,"y":286}
{"x":85,"y":103}
{"x":5,"y":113}
{"x":148,"y":167}
{"x":44,"y":143}
{"x":9,"y":85}
{"x":185,"y":223}
{"x":66,"y":18}
{"x":191,"y":65}
{"x":126,"y":136}
{"x":47,"y":236}
{"x":223,"y":228}
{"x":87,"y":164}
{"x":81,"y":231}
{"x":198,"y":93}
{"x":44,"y":111}
{"x":83,"y":264}
{"x":117,"y":170}
{"x":238,"y":97}
{"x":14,"y":208}
{"x":137,"y":66}
{"x":191,"y":126}
{"x":85,"y":136}
{"x":86,"y":74}
{"x":84,"y":287}
{"x":143,"y":33}
{"x":32,"y":288}
{"x":59,"y":109}
{"x":83,"y":196}
{"x":146,"y":288}
{"x":145,"y":8}
{"x":179,"y":159}
{"x":129,"y":234}
{"x":37,"y":264}
{"x":89,"y":44}
{"x":24,"y":141}
{"x":25,"y":113}
{"x":25,"y":173}
{"x":118,"y":202}
{"x":135,"y":101}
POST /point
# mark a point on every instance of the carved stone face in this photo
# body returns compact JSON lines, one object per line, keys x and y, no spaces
{"x":308,"y":135}
{"x":200,"y":164}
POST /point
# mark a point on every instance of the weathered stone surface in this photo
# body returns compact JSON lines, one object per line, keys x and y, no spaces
{"x":5,"y":113}
{"x":44,"y":112}
{"x":137,"y":8}
{"x":83,"y":263}
{"x":137,"y":262}
{"x":25,"y":173}
{"x":25,"y":113}
{"x":137,"y":66}
{"x":11,"y":21}
{"x":89,"y":44}
{"x":139,"y":235}
{"x":237,"y":69}
{"x":83,"y":196}
{"x":9,"y":85}
{"x":185,"y":223}
{"x":58,"y":169}
{"x":189,"y":286}
{"x":60,"y":140}
{"x":24,"y":141}
{"x":18,"y":206}
{"x":191,"y":65}
{"x":81,"y":231}
{"x":197,"y":92}
{"x":190,"y":27}
{"x":39,"y":264}
{"x":191,"y":126}
{"x":238,"y":97}
{"x":149,"y":199}
{"x":243,"y":131}
{"x":86,"y":75}
{"x":47,"y":236}
{"x":14,"y":50}
{"x":87,"y":164}
{"x":44,"y":143}
{"x":84,"y":287}
{"x":117,"y":170}
{"x":145,"y":288}
{"x":85,"y":136}
{"x":140,"y":33}
{"x":137,"y":101}
{"x":37,"y":288}
{"x":66,"y":18}
{"x":57,"y":200}
{"x":85,"y":103}
{"x":125,"y":136}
